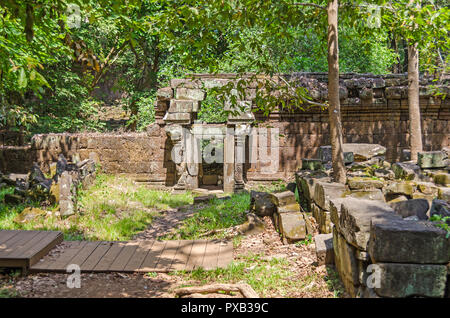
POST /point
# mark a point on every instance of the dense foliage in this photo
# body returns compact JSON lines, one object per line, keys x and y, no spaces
{"x":61,"y":60}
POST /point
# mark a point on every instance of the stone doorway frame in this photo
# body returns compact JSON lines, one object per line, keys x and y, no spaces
{"x":180,"y":126}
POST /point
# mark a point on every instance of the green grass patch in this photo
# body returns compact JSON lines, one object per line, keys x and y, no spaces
{"x":268,"y":278}
{"x":113,"y":208}
{"x":217,"y":214}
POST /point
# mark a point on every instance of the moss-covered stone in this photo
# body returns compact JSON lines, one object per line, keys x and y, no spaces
{"x":431,"y":159}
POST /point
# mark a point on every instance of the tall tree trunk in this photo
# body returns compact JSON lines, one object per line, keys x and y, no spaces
{"x":334,"y":109}
{"x":415,"y":125}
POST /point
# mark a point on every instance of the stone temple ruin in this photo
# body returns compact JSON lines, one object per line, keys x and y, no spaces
{"x":384,"y":230}
{"x":374,"y":110}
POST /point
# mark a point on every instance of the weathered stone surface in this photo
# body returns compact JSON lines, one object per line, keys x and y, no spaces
{"x":362,"y":152}
{"x":356,"y":217}
{"x":66,"y":207}
{"x":324,"y":221}
{"x":442,"y":179}
{"x":283,"y":198}
{"x":427,"y":188}
{"x":346,"y":263}
{"x":358,"y":183}
{"x":308,"y":223}
{"x":396,"y":198}
{"x":444,"y":194}
{"x":323,"y":192}
{"x":294,"y":207}
{"x":312,"y":164}
{"x":306,"y":182}
{"x":414,"y":207}
{"x":292,"y":226}
{"x":335,"y":211}
{"x":183,"y":106}
{"x":164,"y":94}
{"x":253,"y":225}
{"x":431,"y":159}
{"x":261,"y":204}
{"x":384,"y":173}
{"x":190,"y":94}
{"x":29,"y":214}
{"x":375,"y":194}
{"x":324,"y":248}
{"x":406,"y":188}
{"x":406,"y":170}
{"x":440,"y":207}
{"x":325,"y":155}
{"x":180,"y":118}
{"x":406,"y":280}
{"x":402,"y":241}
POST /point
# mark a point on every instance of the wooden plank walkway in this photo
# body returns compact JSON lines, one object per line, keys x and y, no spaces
{"x":22,"y":249}
{"x":137,"y":256}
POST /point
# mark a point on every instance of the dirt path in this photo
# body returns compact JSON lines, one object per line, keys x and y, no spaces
{"x":301,"y":261}
{"x":167,"y":222}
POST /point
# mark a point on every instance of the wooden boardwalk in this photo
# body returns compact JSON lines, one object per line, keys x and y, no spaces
{"x":137,"y":256}
{"x":22,"y":249}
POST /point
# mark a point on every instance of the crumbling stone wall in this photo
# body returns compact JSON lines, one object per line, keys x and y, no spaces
{"x":374,"y":110}
{"x":140,"y":154}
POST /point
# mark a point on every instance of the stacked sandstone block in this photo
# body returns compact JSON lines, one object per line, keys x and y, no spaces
{"x":292,"y":224}
{"x":379,"y":254}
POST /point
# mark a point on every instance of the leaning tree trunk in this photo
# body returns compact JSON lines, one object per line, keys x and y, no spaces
{"x":415,"y":126}
{"x":333,"y":94}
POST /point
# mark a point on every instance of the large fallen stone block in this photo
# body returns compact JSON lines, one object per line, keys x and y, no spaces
{"x":325,"y":155}
{"x":407,"y":280}
{"x":414,"y":207}
{"x":346,"y":263}
{"x":292,"y":227}
{"x":403,"y":241}
{"x":358,"y":183}
{"x":323,"y":192}
{"x":356,"y":217}
{"x":283,"y":198}
{"x":324,"y":248}
{"x":406,"y":170}
{"x":261,"y":204}
{"x":406,"y":188}
{"x":375,"y":194}
{"x":431,"y":159}
{"x":362,"y":152}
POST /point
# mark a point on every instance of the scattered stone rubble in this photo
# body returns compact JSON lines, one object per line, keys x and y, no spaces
{"x":61,"y":189}
{"x":377,"y":228}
